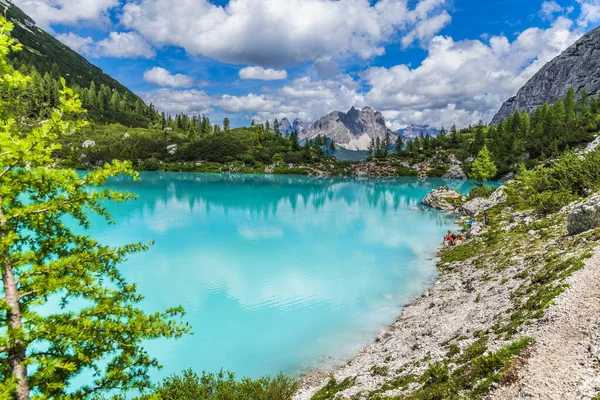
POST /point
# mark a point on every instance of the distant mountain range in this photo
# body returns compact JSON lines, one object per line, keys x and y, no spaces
{"x":578,"y":67}
{"x":352,"y":130}
{"x":411,"y":132}
{"x":285,"y":127}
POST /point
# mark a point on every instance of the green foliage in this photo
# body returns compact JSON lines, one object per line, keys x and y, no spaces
{"x":43,"y":259}
{"x":51,"y":56}
{"x":332,"y":387}
{"x":222,"y":386}
{"x":382,"y":370}
{"x":483,"y":168}
{"x":481,"y":191}
{"x":548,"y":189}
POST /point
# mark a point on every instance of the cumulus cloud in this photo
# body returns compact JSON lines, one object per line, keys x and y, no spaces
{"x":82,"y":45}
{"x":549,"y":8}
{"x":125,"y":45}
{"x":464,"y":81}
{"x":590,"y":12}
{"x":162,"y":77}
{"x":173,"y":101}
{"x":266,"y":33}
{"x":48,"y":12}
{"x":117,"y":45}
{"x":426,"y":29}
{"x":262,"y":74}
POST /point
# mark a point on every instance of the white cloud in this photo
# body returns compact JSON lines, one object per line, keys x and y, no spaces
{"x":48,"y":12}
{"x":462,"y":82}
{"x":281,"y":32}
{"x":82,"y":45}
{"x":117,"y":44}
{"x":180,"y":101}
{"x":162,"y":77}
{"x":458,"y":82}
{"x":549,"y":8}
{"x":125,"y":45}
{"x":590,"y":12}
{"x":426,"y":29}
{"x":260,"y":73}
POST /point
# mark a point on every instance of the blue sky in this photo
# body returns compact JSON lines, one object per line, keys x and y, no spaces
{"x":433,"y":62}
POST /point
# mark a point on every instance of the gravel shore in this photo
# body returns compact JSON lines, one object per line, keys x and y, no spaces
{"x":476,"y":295}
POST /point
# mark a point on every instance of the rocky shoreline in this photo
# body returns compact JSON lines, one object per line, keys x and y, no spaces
{"x":478,"y":315}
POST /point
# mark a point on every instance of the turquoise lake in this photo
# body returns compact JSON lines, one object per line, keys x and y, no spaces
{"x":276,"y":273}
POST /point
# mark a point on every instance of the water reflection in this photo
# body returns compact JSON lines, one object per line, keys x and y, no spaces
{"x":276,"y":272}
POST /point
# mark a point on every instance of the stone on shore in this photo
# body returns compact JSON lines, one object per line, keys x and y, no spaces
{"x":478,"y":205}
{"x":455,"y":172}
{"x":585,"y":216}
{"x":446,"y":200}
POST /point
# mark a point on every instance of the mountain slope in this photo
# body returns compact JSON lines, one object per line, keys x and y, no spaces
{"x":352,"y":130}
{"x":48,"y":54}
{"x":578,"y":67}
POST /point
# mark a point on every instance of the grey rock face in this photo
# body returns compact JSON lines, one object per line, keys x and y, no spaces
{"x":352,"y":130}
{"x":285,"y":127}
{"x":475,"y":206}
{"x":298,"y":126}
{"x":585,"y":216}
{"x":578,"y":67}
{"x":455,"y":172}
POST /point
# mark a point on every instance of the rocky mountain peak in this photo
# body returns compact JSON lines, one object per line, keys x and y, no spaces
{"x":352,"y":130}
{"x":578,"y":67}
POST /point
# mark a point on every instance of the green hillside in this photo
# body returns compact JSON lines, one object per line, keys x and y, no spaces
{"x":48,"y":54}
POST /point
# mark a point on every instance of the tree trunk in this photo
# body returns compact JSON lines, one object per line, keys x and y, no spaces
{"x":16,"y":350}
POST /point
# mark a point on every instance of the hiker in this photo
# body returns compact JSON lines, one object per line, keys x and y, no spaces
{"x":486,"y":219}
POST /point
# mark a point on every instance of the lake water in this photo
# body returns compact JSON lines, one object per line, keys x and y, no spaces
{"x":276,"y":273}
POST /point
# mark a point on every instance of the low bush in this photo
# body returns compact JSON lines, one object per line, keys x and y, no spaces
{"x":222,"y":386}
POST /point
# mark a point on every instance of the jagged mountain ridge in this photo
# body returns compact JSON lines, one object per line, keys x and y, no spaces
{"x":352,"y":130}
{"x":285,"y":127}
{"x":411,"y":132}
{"x":577,"y":67}
{"x":48,"y":54}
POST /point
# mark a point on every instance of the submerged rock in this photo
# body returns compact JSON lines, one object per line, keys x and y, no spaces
{"x":585,"y":216}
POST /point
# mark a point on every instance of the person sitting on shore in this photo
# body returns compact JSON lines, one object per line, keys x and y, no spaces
{"x":448,"y":239}
{"x":469,"y":234}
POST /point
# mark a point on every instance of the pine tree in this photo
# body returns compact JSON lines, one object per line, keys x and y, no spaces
{"x":332,"y":146}
{"x":399,"y":145}
{"x":42,"y":257}
{"x":226,"y":124}
{"x":387,"y":143}
{"x":115,"y":102}
{"x":483,"y":168}
{"x":276,"y":129}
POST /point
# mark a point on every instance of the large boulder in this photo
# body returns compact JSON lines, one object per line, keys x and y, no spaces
{"x":444,"y":199}
{"x":475,"y":206}
{"x":455,"y":172}
{"x":585,"y":216}
{"x":479,"y":205}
